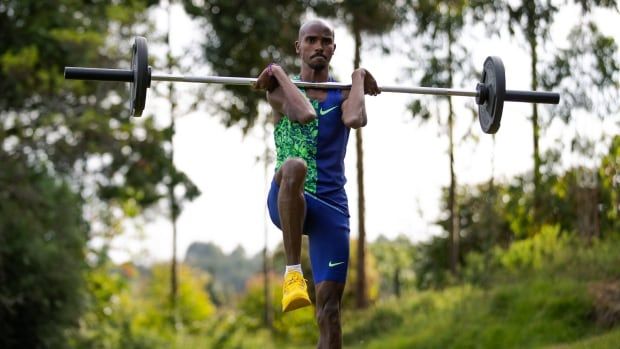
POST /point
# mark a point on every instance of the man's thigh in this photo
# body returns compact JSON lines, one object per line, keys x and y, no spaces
{"x":328,"y":236}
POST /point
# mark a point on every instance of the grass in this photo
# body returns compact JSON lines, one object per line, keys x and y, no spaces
{"x":609,"y":340}
{"x":548,"y":307}
{"x":525,"y":314}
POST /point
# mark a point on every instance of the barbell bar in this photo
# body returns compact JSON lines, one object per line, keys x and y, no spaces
{"x":490,"y":93}
{"x":126,"y":75}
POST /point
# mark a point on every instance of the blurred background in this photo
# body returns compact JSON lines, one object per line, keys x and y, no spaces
{"x":152,"y":232}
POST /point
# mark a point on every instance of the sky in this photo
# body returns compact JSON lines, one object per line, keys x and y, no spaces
{"x":406,"y":162}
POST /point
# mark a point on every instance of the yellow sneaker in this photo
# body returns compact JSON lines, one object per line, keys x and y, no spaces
{"x":295,"y":292}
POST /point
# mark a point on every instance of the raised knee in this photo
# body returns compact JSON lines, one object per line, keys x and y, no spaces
{"x":293,"y":172}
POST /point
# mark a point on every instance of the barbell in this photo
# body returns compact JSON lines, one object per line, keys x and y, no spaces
{"x":490,"y":93}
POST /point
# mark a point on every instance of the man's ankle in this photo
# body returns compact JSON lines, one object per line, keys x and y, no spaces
{"x":295,"y":267}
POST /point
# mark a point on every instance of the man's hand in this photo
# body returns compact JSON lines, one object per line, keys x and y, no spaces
{"x":267,"y":79}
{"x":370,"y":84}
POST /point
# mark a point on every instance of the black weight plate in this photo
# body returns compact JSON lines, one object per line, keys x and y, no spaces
{"x":494,"y":79}
{"x":141,"y":75}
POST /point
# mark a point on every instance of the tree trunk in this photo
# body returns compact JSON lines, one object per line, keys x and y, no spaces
{"x":452,"y":204}
{"x":492,"y":179}
{"x":397,"y":282}
{"x":173,"y":264}
{"x":533,"y":43}
{"x":361,"y":299}
{"x":454,"y":215}
{"x":171,"y":184}
{"x":267,"y":311}
{"x":267,"y":316}
{"x":587,"y":199}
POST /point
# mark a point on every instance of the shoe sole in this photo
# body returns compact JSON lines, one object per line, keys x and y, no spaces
{"x":296,"y":304}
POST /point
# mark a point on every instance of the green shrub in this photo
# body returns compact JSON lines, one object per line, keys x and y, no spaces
{"x":532,"y":253}
{"x":297,"y":327}
{"x":374,"y":322}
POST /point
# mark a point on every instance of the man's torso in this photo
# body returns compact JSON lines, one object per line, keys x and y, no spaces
{"x":322,"y":144}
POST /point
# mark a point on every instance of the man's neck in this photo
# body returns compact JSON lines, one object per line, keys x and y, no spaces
{"x":312,"y":75}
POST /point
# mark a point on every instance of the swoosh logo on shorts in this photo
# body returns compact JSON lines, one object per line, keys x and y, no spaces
{"x":334,"y":264}
{"x":323,"y":112}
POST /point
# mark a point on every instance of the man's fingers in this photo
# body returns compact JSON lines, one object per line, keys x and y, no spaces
{"x":371,"y":87}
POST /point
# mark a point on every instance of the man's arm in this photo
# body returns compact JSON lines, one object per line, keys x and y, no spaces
{"x":354,"y":106}
{"x":285,"y":98}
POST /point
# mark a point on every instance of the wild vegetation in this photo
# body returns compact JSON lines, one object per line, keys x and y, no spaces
{"x":529,"y":261}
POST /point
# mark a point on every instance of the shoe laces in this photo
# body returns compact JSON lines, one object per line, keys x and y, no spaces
{"x":294,"y":280}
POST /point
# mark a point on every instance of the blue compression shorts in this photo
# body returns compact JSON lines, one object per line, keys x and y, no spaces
{"x":327,"y":228}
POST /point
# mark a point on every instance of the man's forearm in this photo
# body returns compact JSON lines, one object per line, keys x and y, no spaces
{"x":355,"y":116}
{"x":295,"y":105}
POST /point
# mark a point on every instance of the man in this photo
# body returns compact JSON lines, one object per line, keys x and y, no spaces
{"x":307,"y":193}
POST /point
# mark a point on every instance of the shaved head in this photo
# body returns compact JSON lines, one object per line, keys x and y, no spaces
{"x":315,"y":44}
{"x":311,"y":22}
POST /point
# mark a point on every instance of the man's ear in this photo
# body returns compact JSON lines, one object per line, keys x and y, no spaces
{"x":297,"y":47}
{"x":334,"y":47}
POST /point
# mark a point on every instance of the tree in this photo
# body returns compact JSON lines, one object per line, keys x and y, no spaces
{"x":591,"y":57}
{"x":229,"y":272}
{"x":373,"y":18}
{"x":77,"y":127}
{"x":609,"y":173}
{"x":394,"y":263}
{"x":532,"y":19}
{"x":193,"y":303}
{"x":240,"y":41}
{"x":71,"y":137}
{"x":173,"y":203}
{"x":42,"y":243}
{"x":438,"y":25}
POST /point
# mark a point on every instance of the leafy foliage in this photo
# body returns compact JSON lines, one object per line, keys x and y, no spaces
{"x":590,"y":56}
{"x":109,"y":320}
{"x":42,"y":243}
{"x":296,"y":327}
{"x":444,"y":60}
{"x":241,"y":39}
{"x":527,"y":304}
{"x":442,"y":63}
{"x":70,"y":153}
{"x":587,"y":56}
{"x":229,"y":272}
{"x":71,"y":161}
{"x":496,"y":214}
{"x":129,"y":308}
{"x":193,"y":304}
{"x":609,"y":173}
{"x":78,"y":128}
{"x":368,"y":17}
{"x":394,"y":259}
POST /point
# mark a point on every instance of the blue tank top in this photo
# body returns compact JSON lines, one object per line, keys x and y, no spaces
{"x":322,"y":143}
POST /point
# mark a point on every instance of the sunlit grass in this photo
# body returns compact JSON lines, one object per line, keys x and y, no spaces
{"x":610,"y":340}
{"x":550,"y":306}
{"x":527,"y":314}
{"x":529,"y":308}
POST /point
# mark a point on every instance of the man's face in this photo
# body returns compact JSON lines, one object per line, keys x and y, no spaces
{"x":316,"y":46}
